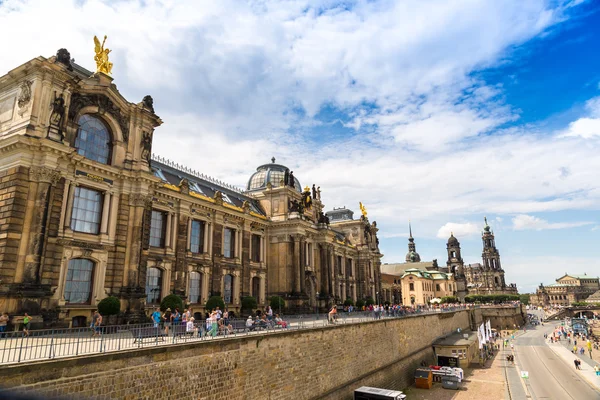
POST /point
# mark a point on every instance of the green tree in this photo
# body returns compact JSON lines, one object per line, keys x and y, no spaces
{"x":171,"y":301}
{"x":214,"y":302}
{"x":109,"y":306}
{"x":349,"y":302}
{"x":360,"y":303}
{"x":249,"y":303}
{"x":276,"y":303}
{"x":525,"y":298}
{"x":369,"y":301}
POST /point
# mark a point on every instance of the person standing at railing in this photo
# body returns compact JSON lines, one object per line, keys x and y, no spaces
{"x":331,"y":317}
{"x":97,"y":324}
{"x":156,"y":317}
{"x":26,"y":323}
{"x":167,"y":318}
{"x":3,"y":322}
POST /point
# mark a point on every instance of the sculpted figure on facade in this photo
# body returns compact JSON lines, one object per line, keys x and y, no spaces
{"x":64,"y":57}
{"x":146,"y":146}
{"x":58,"y":111}
{"x":101,"y":57}
{"x":292,"y":182}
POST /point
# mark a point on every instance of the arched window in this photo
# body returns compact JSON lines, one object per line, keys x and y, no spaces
{"x":256,"y":288}
{"x":227,"y":288}
{"x":411,"y":286}
{"x":153,"y":285}
{"x":78,"y":287}
{"x":195,"y":285}
{"x":93,"y":139}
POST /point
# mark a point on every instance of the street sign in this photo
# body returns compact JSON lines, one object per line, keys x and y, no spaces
{"x":525,"y":374}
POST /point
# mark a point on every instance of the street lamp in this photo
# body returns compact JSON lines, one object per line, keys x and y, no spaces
{"x":377,"y":298}
{"x":317,"y":305}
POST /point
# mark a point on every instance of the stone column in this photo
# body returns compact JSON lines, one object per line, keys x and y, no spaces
{"x":206,"y":229}
{"x":168,"y":230}
{"x":262,"y":295}
{"x":188,"y":246}
{"x":105,"y":213}
{"x":235,"y":296}
{"x":297,"y":264}
{"x":114,"y":216}
{"x":64,"y":207}
{"x":69,"y":211}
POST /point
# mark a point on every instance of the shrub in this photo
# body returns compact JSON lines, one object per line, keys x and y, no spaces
{"x":109,"y":306}
{"x":214,"y":302}
{"x":349,"y":302}
{"x":369,"y":301}
{"x":360,"y":303}
{"x":450,"y":299}
{"x":171,"y":301}
{"x":249,"y":303}
{"x":276,"y":303}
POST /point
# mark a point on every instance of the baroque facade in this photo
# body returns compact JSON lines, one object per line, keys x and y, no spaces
{"x":567,"y":290}
{"x":88,"y":212}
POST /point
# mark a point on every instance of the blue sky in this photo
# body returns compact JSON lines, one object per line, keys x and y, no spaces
{"x":441,"y":112}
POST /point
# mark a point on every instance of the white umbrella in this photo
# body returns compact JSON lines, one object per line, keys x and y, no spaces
{"x":436,"y":300}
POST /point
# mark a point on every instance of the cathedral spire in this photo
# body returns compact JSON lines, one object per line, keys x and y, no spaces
{"x":409,"y":230}
{"x":412,"y":255}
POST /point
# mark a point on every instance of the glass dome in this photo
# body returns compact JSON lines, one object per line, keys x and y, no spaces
{"x":273,"y":173}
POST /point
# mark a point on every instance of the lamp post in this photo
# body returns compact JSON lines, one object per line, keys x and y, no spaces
{"x":377,"y":298}
{"x":317,"y":305}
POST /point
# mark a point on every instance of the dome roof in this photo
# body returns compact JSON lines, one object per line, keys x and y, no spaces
{"x":452,"y":241}
{"x":271,"y":172}
{"x":413,"y":256}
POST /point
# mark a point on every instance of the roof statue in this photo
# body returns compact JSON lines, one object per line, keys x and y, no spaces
{"x":363,"y":209}
{"x":101,"y":57}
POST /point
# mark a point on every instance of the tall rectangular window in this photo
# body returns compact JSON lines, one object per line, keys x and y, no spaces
{"x":229,"y":243}
{"x":157,"y":228}
{"x":339,"y":265}
{"x":197,"y":237}
{"x":308,"y":254}
{"x":87,"y":210}
{"x":194,"y":290}
{"x":256,"y":248}
{"x":349,"y":266}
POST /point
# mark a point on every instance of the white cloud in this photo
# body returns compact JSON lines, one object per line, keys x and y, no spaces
{"x":458,"y":229}
{"x":523,"y":222}
{"x":589,"y":126}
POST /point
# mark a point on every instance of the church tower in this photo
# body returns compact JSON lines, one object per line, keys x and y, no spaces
{"x":412,"y":255}
{"x":491,"y":260}
{"x":455,"y":262}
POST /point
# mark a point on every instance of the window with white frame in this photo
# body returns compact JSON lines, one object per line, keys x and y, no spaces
{"x":87,"y":210}
{"x":78,"y":286}
{"x":194,"y":287}
{"x":460,"y":353}
{"x":227,"y":288}
{"x":197,"y":237}
{"x":158,"y":224}
{"x":229,"y":242}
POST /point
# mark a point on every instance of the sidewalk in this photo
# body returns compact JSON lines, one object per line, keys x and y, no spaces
{"x":587,"y":370}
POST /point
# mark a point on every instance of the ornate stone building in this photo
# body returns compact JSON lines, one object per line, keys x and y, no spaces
{"x":419,"y":287}
{"x":88,"y":212}
{"x":567,"y":290}
{"x":456,"y":266}
{"x":487,"y":278}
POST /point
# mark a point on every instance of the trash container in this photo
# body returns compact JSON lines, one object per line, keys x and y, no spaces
{"x":450,"y":382}
{"x":423,"y":378}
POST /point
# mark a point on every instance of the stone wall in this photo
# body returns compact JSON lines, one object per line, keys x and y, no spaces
{"x":327,"y":362}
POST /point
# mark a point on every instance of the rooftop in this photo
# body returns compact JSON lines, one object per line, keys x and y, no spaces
{"x":457,"y":339}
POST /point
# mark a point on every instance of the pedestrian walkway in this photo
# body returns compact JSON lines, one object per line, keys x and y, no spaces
{"x":587,"y":365}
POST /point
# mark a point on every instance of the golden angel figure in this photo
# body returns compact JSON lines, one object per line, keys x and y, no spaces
{"x":363,"y":209}
{"x":101,"y":57}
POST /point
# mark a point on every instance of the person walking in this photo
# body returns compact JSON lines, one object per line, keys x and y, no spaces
{"x":597,"y":370}
{"x":26,"y":324}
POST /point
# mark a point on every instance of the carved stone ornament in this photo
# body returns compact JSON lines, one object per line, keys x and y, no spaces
{"x":218,"y":198}
{"x":104,"y":104}
{"x":246,"y":206}
{"x":184,"y":186}
{"x":25,"y":95}
{"x":140,"y":200}
{"x":81,"y":244}
{"x":44,"y":174}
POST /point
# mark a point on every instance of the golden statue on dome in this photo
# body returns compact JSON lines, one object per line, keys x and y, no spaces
{"x":363,"y":209}
{"x":101,"y":57}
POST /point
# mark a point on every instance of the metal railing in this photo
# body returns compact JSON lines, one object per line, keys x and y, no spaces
{"x":46,"y":344}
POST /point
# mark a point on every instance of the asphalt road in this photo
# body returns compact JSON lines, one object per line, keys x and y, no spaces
{"x":550,"y":377}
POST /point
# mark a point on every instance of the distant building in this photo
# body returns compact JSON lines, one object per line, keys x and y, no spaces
{"x":419,"y":287}
{"x":567,"y":290}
